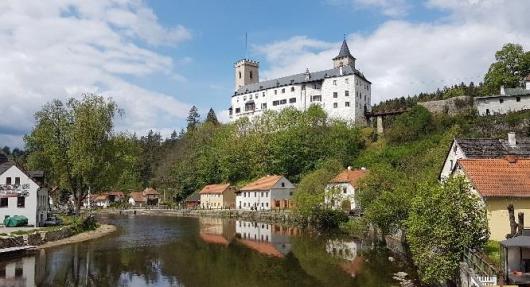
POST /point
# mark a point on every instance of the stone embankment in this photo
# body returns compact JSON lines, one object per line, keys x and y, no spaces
{"x":266,"y":216}
{"x":43,"y":238}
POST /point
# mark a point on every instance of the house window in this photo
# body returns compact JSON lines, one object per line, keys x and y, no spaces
{"x":263,"y":94}
{"x":275,"y":92}
{"x":347,"y":81}
{"x":283,"y":184}
{"x":3,"y":202}
{"x":303,"y":87}
{"x":501,"y":101}
{"x":347,"y":93}
{"x":334,"y":82}
{"x":238,"y":110}
{"x":488,"y":112}
{"x":283,"y":91}
{"x":316,"y":98}
{"x":21,"y":201}
{"x":518,"y":99}
{"x":283,"y":102}
{"x":292,"y":100}
{"x":451,"y":164}
{"x":292,"y":89}
{"x":17,"y":180}
{"x":347,"y":104}
{"x":344,"y":190}
{"x":275,"y":103}
{"x":8,"y":180}
{"x":264,"y":106}
{"x":335,"y":105}
{"x":335,"y":94}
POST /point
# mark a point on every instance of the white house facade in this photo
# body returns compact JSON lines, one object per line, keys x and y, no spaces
{"x":21,"y":195}
{"x":266,"y":193}
{"x":509,"y":100}
{"x":340,"y":191}
{"x":343,"y":92}
{"x":265,"y":238}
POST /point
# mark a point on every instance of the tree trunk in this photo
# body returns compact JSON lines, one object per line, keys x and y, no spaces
{"x":513,"y":224}
{"x":520,"y":225}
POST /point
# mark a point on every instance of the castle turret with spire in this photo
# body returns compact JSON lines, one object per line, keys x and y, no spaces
{"x":343,"y":92}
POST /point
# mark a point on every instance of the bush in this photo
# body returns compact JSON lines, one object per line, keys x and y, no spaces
{"x":325,"y":219}
{"x":410,"y":125}
{"x":356,"y":227}
{"x":80,"y":224}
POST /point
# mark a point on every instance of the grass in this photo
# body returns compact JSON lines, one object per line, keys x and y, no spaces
{"x":493,"y":251}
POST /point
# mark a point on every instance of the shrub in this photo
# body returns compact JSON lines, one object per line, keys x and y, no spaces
{"x":325,"y":219}
{"x":410,"y":125}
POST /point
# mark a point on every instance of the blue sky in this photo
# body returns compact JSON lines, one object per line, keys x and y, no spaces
{"x":157,"y":58}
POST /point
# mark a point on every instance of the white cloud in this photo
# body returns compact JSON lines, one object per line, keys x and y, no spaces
{"x":391,"y":8}
{"x":62,"y":48}
{"x":404,"y":58}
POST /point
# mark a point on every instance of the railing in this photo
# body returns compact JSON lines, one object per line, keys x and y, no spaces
{"x":485,"y":272}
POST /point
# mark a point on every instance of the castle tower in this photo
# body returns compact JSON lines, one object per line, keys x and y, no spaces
{"x":344,"y":57}
{"x":246,"y":72}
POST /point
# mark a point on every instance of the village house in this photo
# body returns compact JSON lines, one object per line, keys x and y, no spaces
{"x":267,"y":239}
{"x":148,"y":197}
{"x":484,"y":148}
{"x":343,"y":91}
{"x":104,"y":199}
{"x":508,"y":100}
{"x":193,"y":200}
{"x":268,"y":192}
{"x":215,"y":196}
{"x":340,"y":191}
{"x":499,"y":182}
{"x":21,"y":194}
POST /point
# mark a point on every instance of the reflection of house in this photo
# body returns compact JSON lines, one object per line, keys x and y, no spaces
{"x":143,"y":198}
{"x":216,"y":230}
{"x":484,"y":148}
{"x":19,"y":273}
{"x":218,"y":196}
{"x":272,"y":191}
{"x":340,"y":191}
{"x":348,"y":251}
{"x":193,"y":200}
{"x":21,"y":194}
{"x":267,"y":239}
{"x":499,"y":182}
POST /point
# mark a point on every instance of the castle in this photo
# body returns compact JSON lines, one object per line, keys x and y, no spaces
{"x":343,"y":92}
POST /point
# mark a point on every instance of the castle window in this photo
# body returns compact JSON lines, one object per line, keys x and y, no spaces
{"x":283,"y":102}
{"x":347,"y":104}
{"x":335,"y":105}
{"x":263,"y":94}
{"x":303,"y":87}
{"x":250,"y":74}
{"x":292,"y":100}
{"x":292,"y":89}
{"x":240,"y":75}
{"x":264,"y":106}
{"x":501,"y":101}
{"x":518,"y":99}
{"x":334,"y":82}
{"x":238,"y":110}
{"x":347,"y":93}
{"x":275,"y":92}
{"x":347,"y":81}
{"x":335,"y":94}
{"x":316,"y":98}
{"x":283,"y":91}
{"x":275,"y":103}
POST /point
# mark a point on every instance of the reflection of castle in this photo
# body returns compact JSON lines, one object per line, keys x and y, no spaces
{"x":216,"y":230}
{"x":18,"y":273}
{"x":268,"y":239}
{"x":348,"y":251}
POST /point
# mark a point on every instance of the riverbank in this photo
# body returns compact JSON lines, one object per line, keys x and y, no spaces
{"x":102,"y":230}
{"x":282,"y":217}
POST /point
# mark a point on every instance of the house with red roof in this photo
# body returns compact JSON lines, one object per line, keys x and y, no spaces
{"x":499,"y":182}
{"x":142,"y":198}
{"x":340,"y":191}
{"x":268,"y":192}
{"x":216,"y":196}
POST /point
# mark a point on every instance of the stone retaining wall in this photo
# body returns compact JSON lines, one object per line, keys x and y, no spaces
{"x":36,"y":238}
{"x":451,"y":106}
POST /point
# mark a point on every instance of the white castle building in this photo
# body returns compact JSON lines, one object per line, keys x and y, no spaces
{"x":343,"y":92}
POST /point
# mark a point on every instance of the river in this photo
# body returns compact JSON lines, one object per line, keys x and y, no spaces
{"x":178,"y":251}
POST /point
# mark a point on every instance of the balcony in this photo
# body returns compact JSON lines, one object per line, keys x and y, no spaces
{"x":12,"y":190}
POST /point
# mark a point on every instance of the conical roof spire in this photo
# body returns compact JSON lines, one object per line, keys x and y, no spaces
{"x":344,"y":51}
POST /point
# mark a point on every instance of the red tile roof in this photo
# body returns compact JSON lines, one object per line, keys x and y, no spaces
{"x":349,"y":176}
{"x":215,"y":188}
{"x":509,"y":177}
{"x":264,"y":183}
{"x":138,"y":196}
{"x":150,"y":191}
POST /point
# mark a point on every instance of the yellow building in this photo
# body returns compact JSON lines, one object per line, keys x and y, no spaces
{"x":500,"y":182}
{"x":216,"y":196}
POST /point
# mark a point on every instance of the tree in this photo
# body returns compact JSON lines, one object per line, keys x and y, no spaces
{"x":511,"y":66}
{"x":193,"y":119}
{"x":410,"y":125}
{"x":444,"y":222}
{"x":211,"y":117}
{"x":72,"y":142}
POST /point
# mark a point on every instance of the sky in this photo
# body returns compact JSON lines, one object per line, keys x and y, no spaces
{"x":157,"y":58}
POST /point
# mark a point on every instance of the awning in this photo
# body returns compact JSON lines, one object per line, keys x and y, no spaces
{"x":518,"y":241}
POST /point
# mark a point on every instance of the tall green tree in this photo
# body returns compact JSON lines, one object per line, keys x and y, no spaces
{"x":193,"y":119}
{"x":211,"y":117}
{"x":512,"y":64}
{"x":72,"y":142}
{"x":445,"y":221}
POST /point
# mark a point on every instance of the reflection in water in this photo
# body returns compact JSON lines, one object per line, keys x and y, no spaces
{"x":168,"y":251}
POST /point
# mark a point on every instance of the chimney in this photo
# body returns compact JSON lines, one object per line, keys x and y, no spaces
{"x":512,"y":142}
{"x":349,"y":167}
{"x":502,"y":91}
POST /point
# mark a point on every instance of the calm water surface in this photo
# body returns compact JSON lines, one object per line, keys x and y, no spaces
{"x":173,"y":251}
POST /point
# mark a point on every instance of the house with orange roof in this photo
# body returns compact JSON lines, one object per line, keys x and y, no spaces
{"x":268,"y":192}
{"x":216,"y":196}
{"x":499,"y":182}
{"x":142,"y":198}
{"x":340,"y":191}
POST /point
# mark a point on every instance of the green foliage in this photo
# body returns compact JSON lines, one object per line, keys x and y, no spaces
{"x":356,"y":227}
{"x":74,"y":144}
{"x":492,"y":249}
{"x":511,"y":66}
{"x":327,"y":218}
{"x":410,"y":125}
{"x":192,"y":119}
{"x":211,"y":117}
{"x":444,"y":221}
